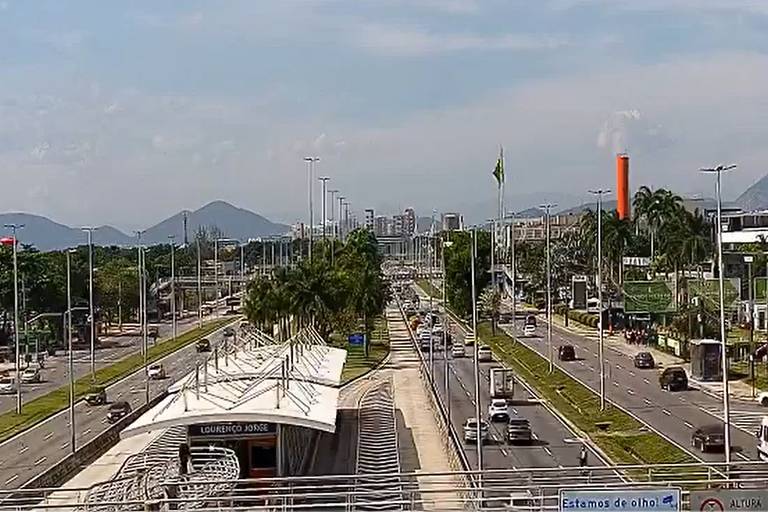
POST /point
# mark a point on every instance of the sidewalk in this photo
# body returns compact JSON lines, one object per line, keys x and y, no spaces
{"x":427,"y":452}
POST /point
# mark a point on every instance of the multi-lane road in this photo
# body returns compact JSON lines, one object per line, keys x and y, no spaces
{"x":55,"y":373}
{"x":675,"y":415}
{"x":46,"y":443}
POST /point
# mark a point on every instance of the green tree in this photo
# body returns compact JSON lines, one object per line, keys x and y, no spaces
{"x":458,"y":269}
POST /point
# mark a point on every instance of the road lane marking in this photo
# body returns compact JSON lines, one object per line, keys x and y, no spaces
{"x":65,"y":445}
{"x":23,"y":449}
{"x":14,"y":477}
{"x":504,"y":452}
{"x":40,"y":460}
{"x":647,"y":381}
{"x":467,"y":392}
{"x":631,"y":373}
{"x":48,"y":436}
{"x":619,"y":367}
{"x":549,"y":452}
{"x":742,"y":456}
{"x":86,"y":432}
{"x":88,"y":412}
{"x":616,"y":384}
{"x":647,"y":402}
{"x":688,"y":424}
{"x":666,"y":412}
{"x":630,"y":392}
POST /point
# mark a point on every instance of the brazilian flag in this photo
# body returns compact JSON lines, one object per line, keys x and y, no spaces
{"x":498,"y":172}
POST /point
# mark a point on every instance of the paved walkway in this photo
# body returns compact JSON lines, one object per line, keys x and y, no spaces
{"x":426,"y":452}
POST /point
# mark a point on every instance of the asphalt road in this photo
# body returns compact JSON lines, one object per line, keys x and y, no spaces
{"x":38,"y":448}
{"x":675,"y":414}
{"x":54,"y":373}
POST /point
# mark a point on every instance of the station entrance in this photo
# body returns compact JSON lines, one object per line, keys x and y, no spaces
{"x":255,"y":443}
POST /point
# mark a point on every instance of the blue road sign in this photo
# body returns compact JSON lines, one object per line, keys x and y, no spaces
{"x":356,"y":339}
{"x":635,"y":500}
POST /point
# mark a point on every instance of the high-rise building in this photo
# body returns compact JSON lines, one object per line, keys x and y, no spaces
{"x":399,"y":225}
{"x":451,"y":222}
{"x":381,"y":225}
{"x":369,"y":219}
{"x":408,"y":222}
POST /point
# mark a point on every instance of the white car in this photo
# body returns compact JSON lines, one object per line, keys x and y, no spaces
{"x":498,"y":410}
{"x":156,"y":372}
{"x":458,"y":350}
{"x":529,"y":330}
{"x":484,"y":353}
{"x":30,"y":376}
{"x":470,"y":430}
{"x":762,"y":398}
{"x":7,"y":385}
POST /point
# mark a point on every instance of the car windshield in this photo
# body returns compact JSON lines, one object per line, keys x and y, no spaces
{"x":119,"y":406}
{"x":6,"y":380}
{"x":30,"y":371}
{"x":499,"y":403}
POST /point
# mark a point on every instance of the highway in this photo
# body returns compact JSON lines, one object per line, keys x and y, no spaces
{"x":554,"y":444}
{"x":675,"y":414}
{"x":38,"y":448}
{"x":54,"y":373}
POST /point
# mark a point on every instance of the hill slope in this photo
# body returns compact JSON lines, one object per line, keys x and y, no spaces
{"x":47,"y":235}
{"x":755,"y":197}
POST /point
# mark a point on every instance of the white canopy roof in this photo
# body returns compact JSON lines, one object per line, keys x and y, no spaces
{"x":256,"y":380}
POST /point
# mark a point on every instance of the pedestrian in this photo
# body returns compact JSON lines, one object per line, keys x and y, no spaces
{"x":583,"y":456}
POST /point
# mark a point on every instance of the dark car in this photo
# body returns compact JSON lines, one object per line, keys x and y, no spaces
{"x":673,"y":378}
{"x":153,"y":331}
{"x":709,"y":438}
{"x":566,"y":353}
{"x":229,"y":332}
{"x":644,"y":360}
{"x":96,"y":396}
{"x":118,"y":411}
{"x":203,"y":345}
{"x":530,"y":320}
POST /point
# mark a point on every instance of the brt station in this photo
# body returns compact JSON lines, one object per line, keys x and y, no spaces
{"x":260,"y":401}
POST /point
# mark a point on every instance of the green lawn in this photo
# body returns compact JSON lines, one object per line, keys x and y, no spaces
{"x":621,"y":437}
{"x":429,"y":288}
{"x":49,"y":404}
{"x":357,"y":364}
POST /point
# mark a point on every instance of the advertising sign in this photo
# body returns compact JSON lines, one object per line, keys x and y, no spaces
{"x":635,"y":500}
{"x":636,"y":261}
{"x":719,"y":500}
{"x":579,"y":292}
{"x":649,"y":297}
{"x":237,"y":430}
{"x":709,"y":290}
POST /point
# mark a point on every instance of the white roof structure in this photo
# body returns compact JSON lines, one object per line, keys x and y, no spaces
{"x":256,"y":380}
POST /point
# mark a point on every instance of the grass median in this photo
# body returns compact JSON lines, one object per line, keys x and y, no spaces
{"x":624,"y":439}
{"x":357,"y":364}
{"x":429,"y":288}
{"x":57,"y":400}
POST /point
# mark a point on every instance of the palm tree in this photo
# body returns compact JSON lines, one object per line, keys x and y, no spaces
{"x":617,"y":234}
{"x":655,"y":207}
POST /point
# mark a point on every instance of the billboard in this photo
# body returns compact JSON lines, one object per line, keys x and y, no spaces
{"x":709,"y":290}
{"x":620,"y":500}
{"x":649,"y":297}
{"x":579,"y":292}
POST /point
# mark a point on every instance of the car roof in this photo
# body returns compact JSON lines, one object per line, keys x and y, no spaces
{"x":671,"y":369}
{"x":643,"y":354}
{"x":499,"y":401}
{"x":119,"y":405}
{"x":713,"y":428}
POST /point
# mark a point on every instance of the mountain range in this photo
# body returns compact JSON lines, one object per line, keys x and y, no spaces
{"x":231,"y":221}
{"x":755,"y":197}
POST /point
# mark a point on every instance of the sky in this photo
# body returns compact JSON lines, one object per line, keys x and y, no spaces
{"x":124,"y":113}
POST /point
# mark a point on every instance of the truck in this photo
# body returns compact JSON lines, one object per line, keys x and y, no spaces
{"x":502,"y":383}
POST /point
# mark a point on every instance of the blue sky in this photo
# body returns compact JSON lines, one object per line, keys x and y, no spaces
{"x":124,"y":113}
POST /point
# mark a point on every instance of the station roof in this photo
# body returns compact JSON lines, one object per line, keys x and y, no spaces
{"x":255,"y":380}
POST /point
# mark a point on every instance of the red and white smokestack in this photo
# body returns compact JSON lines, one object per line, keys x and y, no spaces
{"x":622,"y":185}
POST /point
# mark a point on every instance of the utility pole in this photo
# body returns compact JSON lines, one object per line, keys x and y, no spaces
{"x":600,"y":346}
{"x":547,"y":210}
{"x":311,"y":169}
{"x":89,"y":231}
{"x":723,"y":347}
{"x":199,"y":285}
{"x":216,"y":277}
{"x":446,"y":327}
{"x":341,"y":206}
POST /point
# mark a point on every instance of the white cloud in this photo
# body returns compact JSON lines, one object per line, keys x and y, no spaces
{"x":411,"y":41}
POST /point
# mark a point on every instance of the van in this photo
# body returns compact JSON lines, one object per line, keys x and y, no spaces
{"x":762,"y":440}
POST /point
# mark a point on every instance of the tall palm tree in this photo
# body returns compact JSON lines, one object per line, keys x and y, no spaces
{"x":617,"y":233}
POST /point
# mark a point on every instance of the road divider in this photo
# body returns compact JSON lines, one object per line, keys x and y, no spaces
{"x":42,"y":407}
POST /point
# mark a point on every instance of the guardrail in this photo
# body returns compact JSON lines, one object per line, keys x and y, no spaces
{"x":541,"y":486}
{"x":452,"y":444}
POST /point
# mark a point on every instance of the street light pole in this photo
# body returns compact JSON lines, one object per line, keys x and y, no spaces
{"x":173,"y":285}
{"x":311,"y":169}
{"x":14,"y":228}
{"x":70,"y":357}
{"x":216,"y":277}
{"x":89,"y":231}
{"x":547,"y":209}
{"x":338,"y":221}
{"x":723,"y":347}
{"x":199,"y":285}
{"x":475,"y":360}
{"x":324,"y":180}
{"x":600,"y":346}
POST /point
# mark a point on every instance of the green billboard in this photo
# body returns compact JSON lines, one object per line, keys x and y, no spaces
{"x":649,"y":297}
{"x":709,"y":290}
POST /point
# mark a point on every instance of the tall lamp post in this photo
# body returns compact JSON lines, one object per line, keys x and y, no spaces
{"x":92,"y":317}
{"x":723,"y":347}
{"x":324,"y":181}
{"x":475,"y":360}
{"x":599,"y":193}
{"x":547,"y":210}
{"x":14,"y":228}
{"x":199,"y":284}
{"x":341,"y":209}
{"x":333,"y":193}
{"x":311,"y":181}
{"x":173,"y":285}
{"x":70,"y":356}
